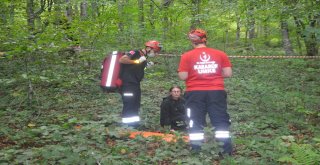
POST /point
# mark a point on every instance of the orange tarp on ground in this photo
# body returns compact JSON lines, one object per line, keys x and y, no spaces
{"x":166,"y":137}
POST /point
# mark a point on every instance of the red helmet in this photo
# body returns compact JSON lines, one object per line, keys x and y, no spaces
{"x":154,"y":45}
{"x":197,"y":36}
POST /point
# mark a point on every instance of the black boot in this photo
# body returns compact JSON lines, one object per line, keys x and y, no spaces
{"x":196,"y":146}
{"x":227,"y":146}
{"x":134,"y":125}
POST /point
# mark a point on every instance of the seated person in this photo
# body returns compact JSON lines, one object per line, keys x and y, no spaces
{"x":173,"y":112}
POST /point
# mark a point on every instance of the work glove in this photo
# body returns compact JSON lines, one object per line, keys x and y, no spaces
{"x":150,"y":64}
{"x":140,"y":60}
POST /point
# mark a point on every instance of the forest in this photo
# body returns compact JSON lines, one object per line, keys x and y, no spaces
{"x":53,"y":110}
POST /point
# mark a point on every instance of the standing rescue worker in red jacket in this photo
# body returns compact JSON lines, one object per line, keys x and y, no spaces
{"x":203,"y":69}
{"x":132,"y":67}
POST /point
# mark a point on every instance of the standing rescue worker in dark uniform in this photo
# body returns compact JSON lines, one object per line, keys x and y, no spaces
{"x":173,"y":111}
{"x":203,"y":69}
{"x":132,"y":67}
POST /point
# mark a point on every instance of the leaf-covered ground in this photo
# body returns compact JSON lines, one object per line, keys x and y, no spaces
{"x":55,"y":113}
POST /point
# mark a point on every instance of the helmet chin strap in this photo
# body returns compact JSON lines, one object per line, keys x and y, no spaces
{"x":142,"y":52}
{"x":147,"y":51}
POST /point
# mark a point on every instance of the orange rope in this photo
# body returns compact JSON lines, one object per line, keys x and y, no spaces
{"x":277,"y":57}
{"x":262,"y":57}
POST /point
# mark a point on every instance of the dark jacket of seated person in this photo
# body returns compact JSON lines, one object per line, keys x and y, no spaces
{"x":173,"y":111}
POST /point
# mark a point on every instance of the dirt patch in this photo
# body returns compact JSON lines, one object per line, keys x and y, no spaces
{"x":6,"y":142}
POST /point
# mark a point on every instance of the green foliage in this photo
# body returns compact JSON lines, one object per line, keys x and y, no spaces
{"x":274,"y":42}
{"x":68,"y":112}
{"x":300,"y":153}
{"x":52,"y":110}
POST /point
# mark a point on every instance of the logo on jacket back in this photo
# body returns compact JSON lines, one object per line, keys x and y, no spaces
{"x":132,"y":52}
{"x":205,"y":66}
{"x":204,"y":57}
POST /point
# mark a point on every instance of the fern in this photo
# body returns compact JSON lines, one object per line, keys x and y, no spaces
{"x":301,"y":154}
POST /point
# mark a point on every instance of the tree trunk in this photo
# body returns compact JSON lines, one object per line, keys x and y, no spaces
{"x":226,"y":40}
{"x":3,"y":13}
{"x":83,"y":10}
{"x":120,"y":15}
{"x":50,"y":4}
{"x":95,"y":9}
{"x":165,"y":27}
{"x":151,"y":16}
{"x":69,"y":11}
{"x":141,"y":22}
{"x":251,"y":27}
{"x":7,"y":12}
{"x":58,"y":12}
{"x":251,"y":23}
{"x":30,"y":14}
{"x":238,"y":31}
{"x":266,"y":31}
{"x":141,"y":14}
{"x":310,"y":38}
{"x":195,"y":11}
{"x":299,"y":35}
{"x":286,"y":43}
{"x":12,"y":12}
{"x":311,"y":45}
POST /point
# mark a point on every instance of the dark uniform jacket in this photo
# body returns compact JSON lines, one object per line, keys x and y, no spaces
{"x":132,"y":74}
{"x":173,"y":113}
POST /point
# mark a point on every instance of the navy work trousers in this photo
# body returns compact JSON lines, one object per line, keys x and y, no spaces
{"x":214,"y":103}
{"x":131,"y":98}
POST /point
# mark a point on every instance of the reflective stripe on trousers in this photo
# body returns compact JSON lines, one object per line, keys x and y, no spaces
{"x":189,"y":115}
{"x":222,"y":134}
{"x":132,"y":119}
{"x":128,"y":94}
{"x":196,"y":136}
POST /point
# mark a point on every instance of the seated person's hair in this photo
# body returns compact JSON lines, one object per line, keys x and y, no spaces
{"x":175,"y":86}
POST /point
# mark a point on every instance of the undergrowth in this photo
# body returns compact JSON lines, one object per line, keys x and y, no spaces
{"x":56,"y":113}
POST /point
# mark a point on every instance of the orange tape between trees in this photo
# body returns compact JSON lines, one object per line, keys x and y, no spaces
{"x":262,"y":57}
{"x":277,"y":57}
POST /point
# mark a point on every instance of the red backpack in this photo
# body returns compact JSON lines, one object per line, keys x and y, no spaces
{"x":110,"y":71}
